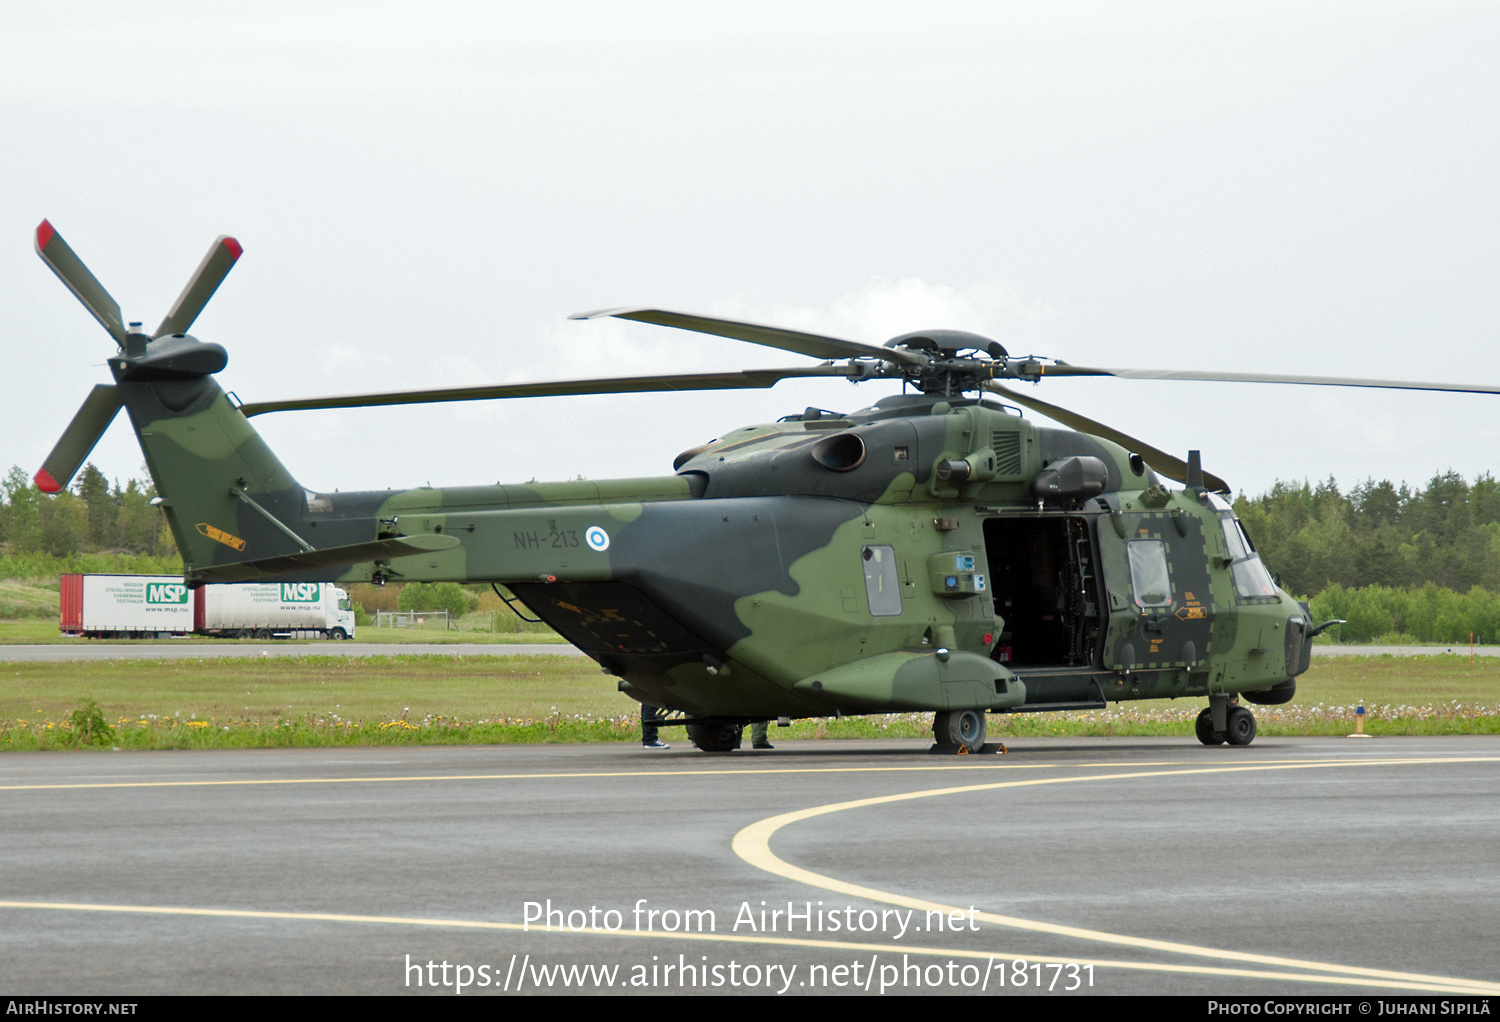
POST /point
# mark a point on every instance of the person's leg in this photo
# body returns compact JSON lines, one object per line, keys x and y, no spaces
{"x":758,"y":739}
{"x":650,"y":717}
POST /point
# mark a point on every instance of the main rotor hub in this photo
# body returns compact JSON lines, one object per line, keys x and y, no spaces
{"x":945,"y":370}
{"x":948,"y":342}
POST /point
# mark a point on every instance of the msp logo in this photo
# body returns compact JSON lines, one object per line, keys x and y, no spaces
{"x":166,"y":594}
{"x":300,"y":592}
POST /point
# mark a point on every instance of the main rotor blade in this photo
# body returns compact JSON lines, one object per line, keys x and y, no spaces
{"x":816,"y":345}
{"x":222,"y":255}
{"x":749,"y":379}
{"x":88,"y":425}
{"x":85,"y":286}
{"x":1166,"y":464}
{"x":1312,"y":381}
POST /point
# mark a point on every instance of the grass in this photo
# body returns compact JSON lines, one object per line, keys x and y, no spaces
{"x":28,"y":602}
{"x":437,"y":699}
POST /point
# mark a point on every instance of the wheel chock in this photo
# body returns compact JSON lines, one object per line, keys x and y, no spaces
{"x":946,"y":749}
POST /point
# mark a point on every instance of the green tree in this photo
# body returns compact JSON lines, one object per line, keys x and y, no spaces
{"x":21,"y":516}
{"x":449,"y":596}
{"x":65,"y":523}
{"x":102,"y":507}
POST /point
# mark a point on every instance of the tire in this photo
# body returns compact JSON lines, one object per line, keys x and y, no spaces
{"x":338,"y":635}
{"x":263,"y":634}
{"x":960,"y":727}
{"x":715,"y":737}
{"x":1241,"y":727}
{"x":244,"y":633}
{"x":1204,"y":728}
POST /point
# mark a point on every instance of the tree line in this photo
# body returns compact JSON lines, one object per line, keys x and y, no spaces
{"x":94,"y":516}
{"x":1313,"y":537}
{"x":1392,"y":561}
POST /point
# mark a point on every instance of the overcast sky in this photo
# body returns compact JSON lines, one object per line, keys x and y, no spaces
{"x":425,"y":192}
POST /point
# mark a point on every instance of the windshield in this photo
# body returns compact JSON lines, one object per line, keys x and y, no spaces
{"x":1251,"y":579}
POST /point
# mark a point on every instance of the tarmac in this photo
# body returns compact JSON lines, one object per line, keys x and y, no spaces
{"x":1295,"y":866}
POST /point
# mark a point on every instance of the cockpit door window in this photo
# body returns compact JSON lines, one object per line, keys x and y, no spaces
{"x":1149,"y":577}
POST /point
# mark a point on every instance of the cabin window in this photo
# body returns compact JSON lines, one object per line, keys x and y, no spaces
{"x":1148,"y":573}
{"x":882,"y":585}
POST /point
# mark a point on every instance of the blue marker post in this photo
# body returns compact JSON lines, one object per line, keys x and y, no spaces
{"x":1359,"y":722}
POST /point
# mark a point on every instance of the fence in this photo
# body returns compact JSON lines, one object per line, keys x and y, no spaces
{"x":411,"y":618}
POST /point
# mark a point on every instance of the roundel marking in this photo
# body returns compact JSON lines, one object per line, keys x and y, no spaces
{"x":596,"y":538}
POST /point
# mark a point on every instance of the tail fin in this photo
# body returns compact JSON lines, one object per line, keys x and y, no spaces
{"x":227,"y":498}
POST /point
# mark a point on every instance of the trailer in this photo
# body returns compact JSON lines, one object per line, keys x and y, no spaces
{"x":282,"y":610}
{"x":161,"y":606}
{"x":125,"y":606}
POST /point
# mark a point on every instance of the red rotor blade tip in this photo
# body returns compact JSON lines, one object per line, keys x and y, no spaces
{"x":234,"y":248}
{"x":44,"y":234}
{"x":45,"y":482}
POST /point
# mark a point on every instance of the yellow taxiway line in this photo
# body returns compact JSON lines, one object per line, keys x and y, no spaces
{"x":753,"y":845}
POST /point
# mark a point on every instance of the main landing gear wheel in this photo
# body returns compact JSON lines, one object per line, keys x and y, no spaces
{"x":1241,"y":726}
{"x":960,"y":727}
{"x":715,"y":737}
{"x":1205,"y":728}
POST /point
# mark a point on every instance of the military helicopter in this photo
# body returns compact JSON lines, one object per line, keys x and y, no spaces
{"x":935,"y":551}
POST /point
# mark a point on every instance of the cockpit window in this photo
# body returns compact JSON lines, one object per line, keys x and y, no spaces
{"x":1251,"y":579}
{"x":1149,"y":577}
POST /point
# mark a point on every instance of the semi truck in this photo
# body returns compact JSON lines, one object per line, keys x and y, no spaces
{"x":152,"y":606}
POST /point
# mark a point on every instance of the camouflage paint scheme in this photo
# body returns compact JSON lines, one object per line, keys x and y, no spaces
{"x":931,"y":552}
{"x":736,"y":589}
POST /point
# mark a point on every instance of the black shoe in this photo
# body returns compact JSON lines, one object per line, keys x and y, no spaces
{"x":658,"y":744}
{"x":763,"y":745}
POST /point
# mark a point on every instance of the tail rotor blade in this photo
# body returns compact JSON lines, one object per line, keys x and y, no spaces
{"x":98,"y":411}
{"x":1166,"y":464}
{"x":84,"y":285}
{"x":222,"y":255}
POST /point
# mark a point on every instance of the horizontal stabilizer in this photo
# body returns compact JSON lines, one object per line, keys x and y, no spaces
{"x":98,"y":411}
{"x":328,"y":557}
